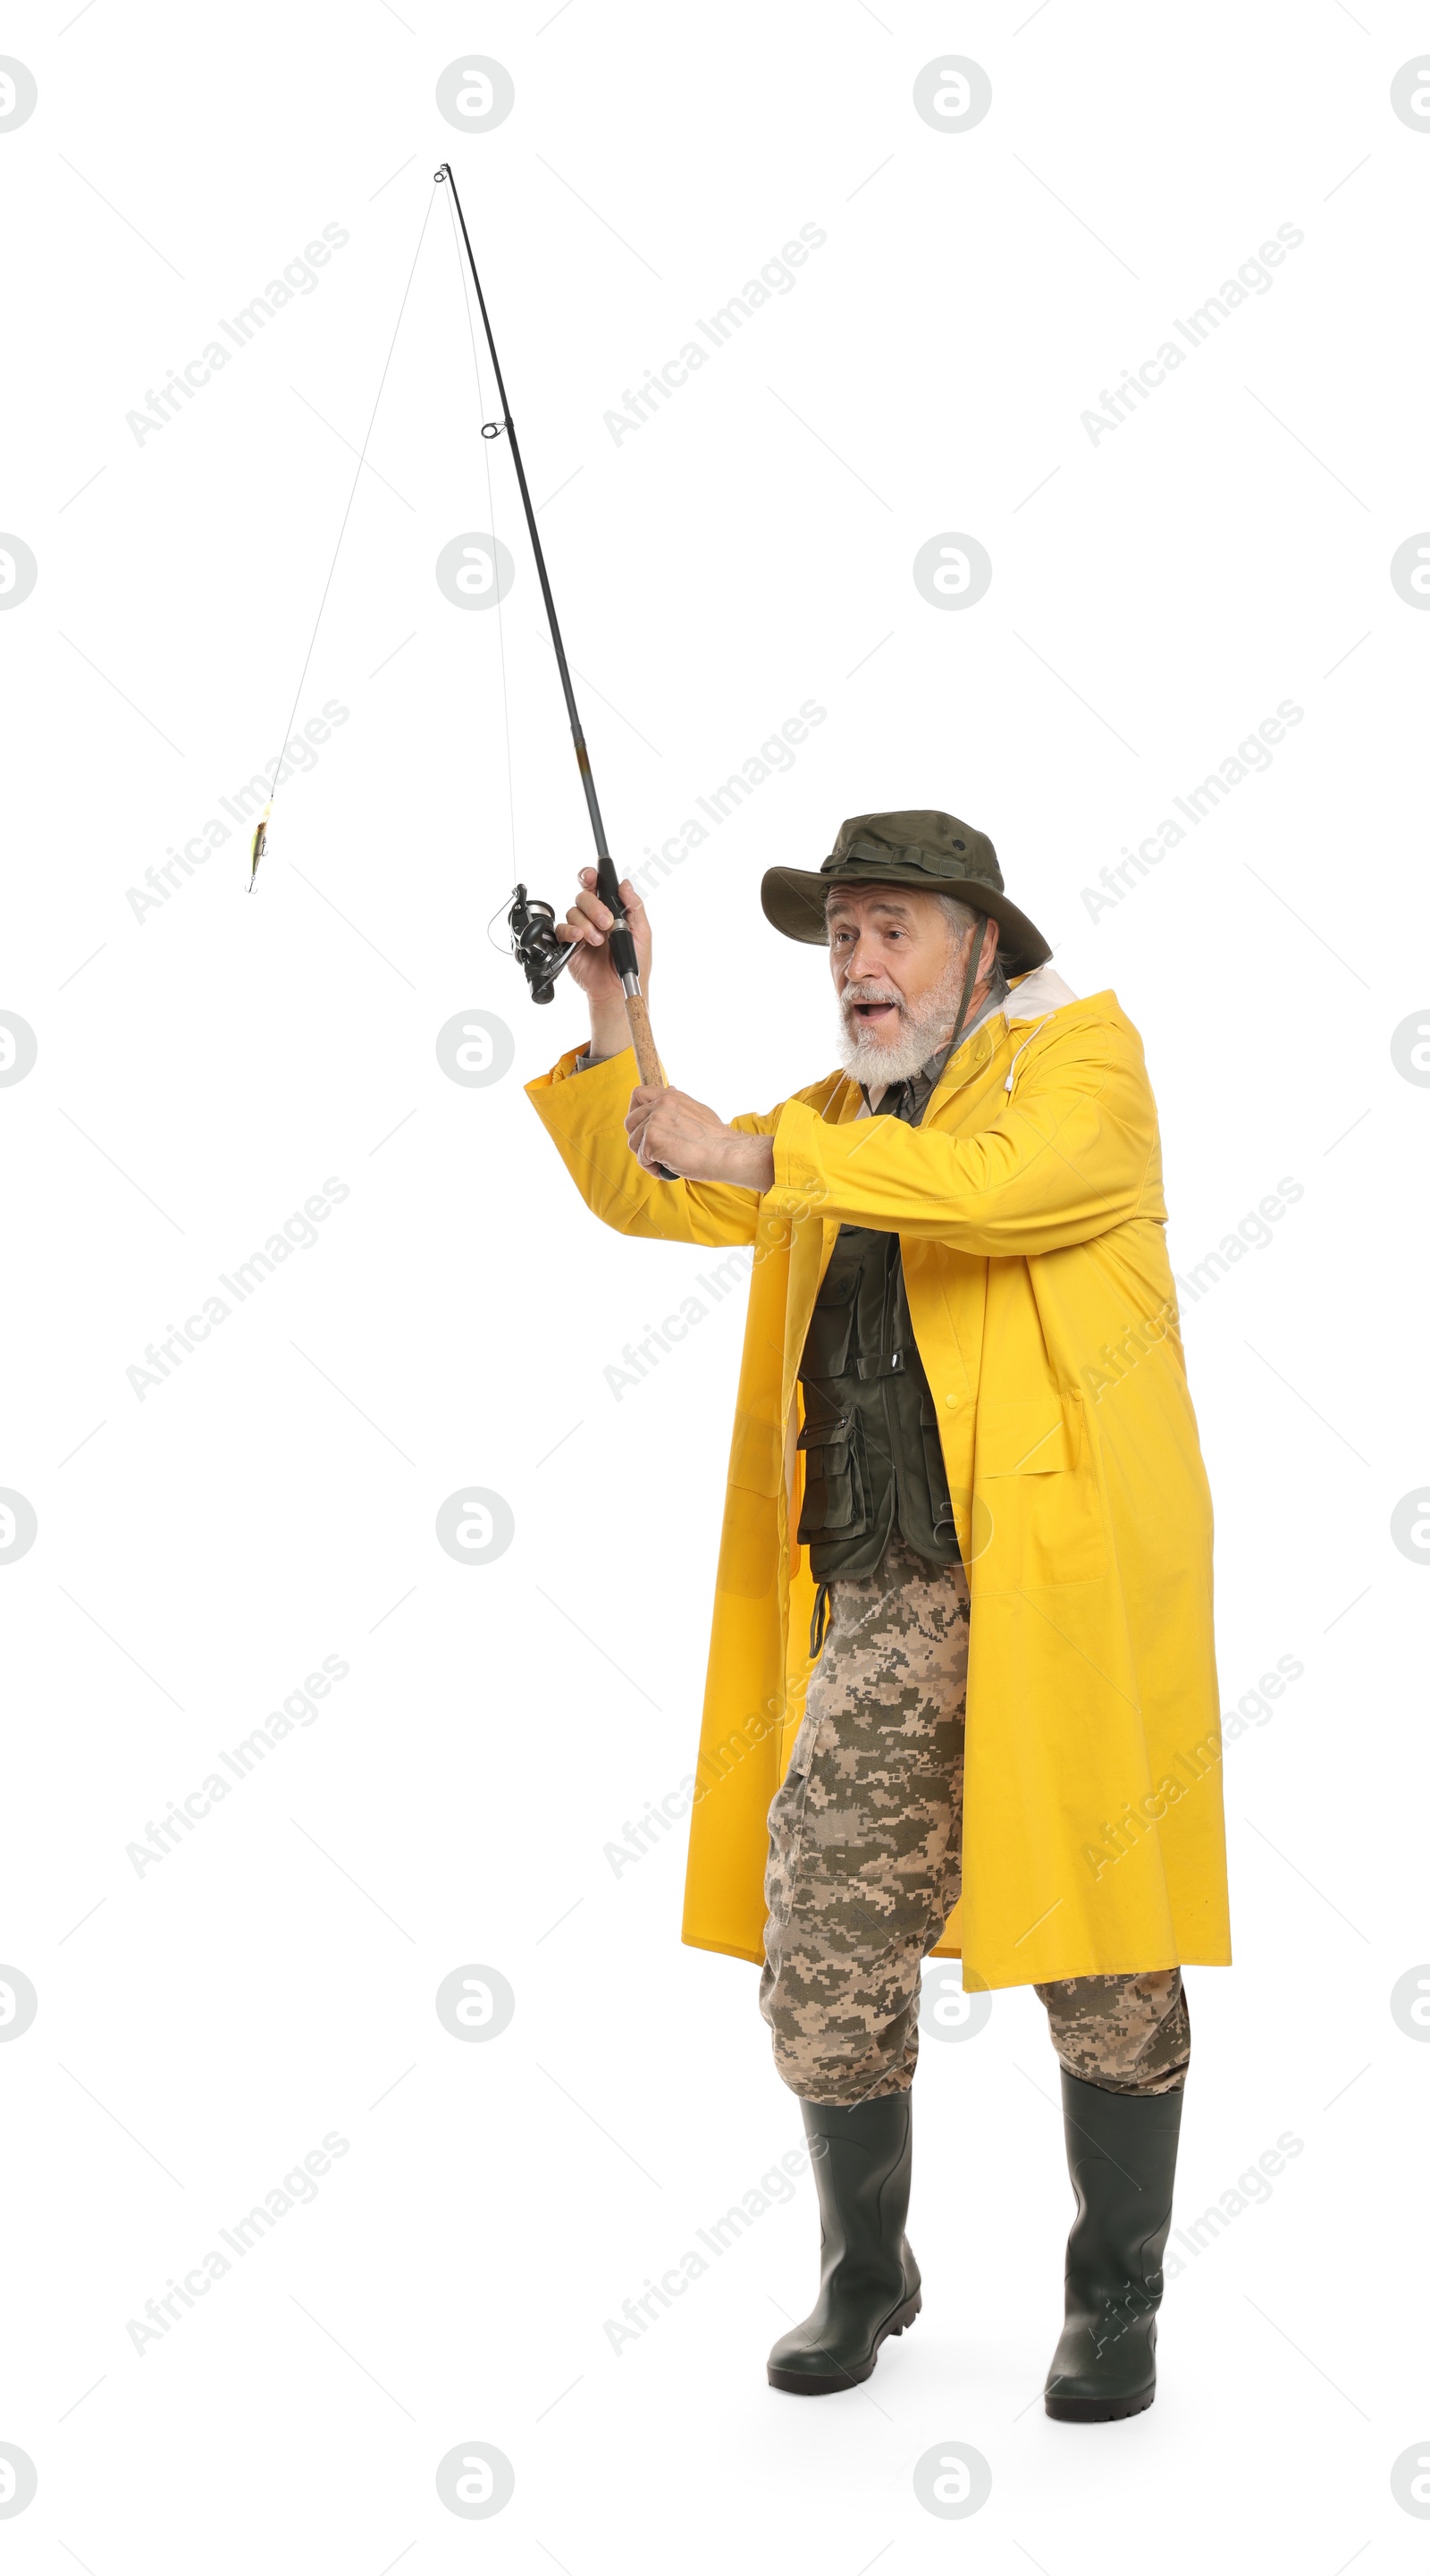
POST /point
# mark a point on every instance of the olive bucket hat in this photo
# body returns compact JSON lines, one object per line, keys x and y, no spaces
{"x":929,"y":850}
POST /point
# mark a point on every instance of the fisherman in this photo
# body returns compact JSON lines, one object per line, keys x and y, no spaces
{"x":962,"y":1695}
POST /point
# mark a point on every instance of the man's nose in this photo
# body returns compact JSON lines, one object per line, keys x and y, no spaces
{"x":865,"y":960}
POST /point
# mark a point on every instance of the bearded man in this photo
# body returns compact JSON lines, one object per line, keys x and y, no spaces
{"x":962,"y":1694}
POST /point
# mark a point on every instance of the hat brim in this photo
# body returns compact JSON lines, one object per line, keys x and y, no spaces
{"x":793,"y":899}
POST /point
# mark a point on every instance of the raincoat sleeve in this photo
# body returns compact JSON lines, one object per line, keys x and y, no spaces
{"x":1066,"y":1159}
{"x":584,"y":1114}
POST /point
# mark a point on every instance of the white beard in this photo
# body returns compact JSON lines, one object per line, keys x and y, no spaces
{"x":923,"y":1028}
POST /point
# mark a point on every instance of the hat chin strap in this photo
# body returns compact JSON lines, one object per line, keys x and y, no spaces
{"x":970,"y":979}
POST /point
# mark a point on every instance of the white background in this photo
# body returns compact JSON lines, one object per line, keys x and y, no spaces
{"x":204,"y":1066}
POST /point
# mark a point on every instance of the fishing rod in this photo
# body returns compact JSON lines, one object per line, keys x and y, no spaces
{"x":623,"y":954}
{"x":538,"y":948}
{"x":532,"y":923}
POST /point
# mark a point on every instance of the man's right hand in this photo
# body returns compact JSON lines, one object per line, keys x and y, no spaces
{"x":585,"y":927}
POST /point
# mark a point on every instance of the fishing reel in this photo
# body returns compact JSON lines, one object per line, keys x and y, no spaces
{"x":541,"y":954}
{"x":534,"y":943}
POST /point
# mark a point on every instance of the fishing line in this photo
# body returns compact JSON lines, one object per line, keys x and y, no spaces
{"x":260,"y":837}
{"x":503,"y":947}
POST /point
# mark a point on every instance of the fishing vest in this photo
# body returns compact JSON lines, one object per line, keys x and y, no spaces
{"x":873,"y":1461}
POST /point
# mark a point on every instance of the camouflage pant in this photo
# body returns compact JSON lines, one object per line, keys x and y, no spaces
{"x":865,"y":1862}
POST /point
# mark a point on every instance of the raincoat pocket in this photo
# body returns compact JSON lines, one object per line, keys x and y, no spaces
{"x":1034,"y":1436}
{"x":749,"y":1546}
{"x":1040,"y":1489}
{"x":756,"y":1455}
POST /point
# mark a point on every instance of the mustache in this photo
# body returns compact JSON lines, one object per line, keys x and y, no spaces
{"x":869,"y":991}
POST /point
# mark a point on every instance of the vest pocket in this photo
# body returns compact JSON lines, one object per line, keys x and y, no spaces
{"x":826,"y":1341}
{"x":836,"y":1485}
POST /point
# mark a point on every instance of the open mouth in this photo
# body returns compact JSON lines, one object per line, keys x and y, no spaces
{"x":875,"y":1014}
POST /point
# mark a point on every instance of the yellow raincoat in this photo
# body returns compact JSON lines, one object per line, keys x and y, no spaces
{"x":1029,"y":1209}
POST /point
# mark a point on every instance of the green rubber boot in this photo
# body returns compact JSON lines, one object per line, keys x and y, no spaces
{"x":868,"y":2281}
{"x":1122,"y":2157}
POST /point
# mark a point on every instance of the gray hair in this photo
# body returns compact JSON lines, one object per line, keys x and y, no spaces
{"x":965,"y":918}
{"x":962,"y":915}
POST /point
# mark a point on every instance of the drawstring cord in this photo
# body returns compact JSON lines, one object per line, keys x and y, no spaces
{"x":1023,"y":1049}
{"x":819,"y":1624}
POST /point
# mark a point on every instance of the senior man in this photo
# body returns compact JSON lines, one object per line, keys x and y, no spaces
{"x":962,"y":1693}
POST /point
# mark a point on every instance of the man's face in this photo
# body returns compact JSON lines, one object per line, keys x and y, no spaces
{"x":898,"y":967}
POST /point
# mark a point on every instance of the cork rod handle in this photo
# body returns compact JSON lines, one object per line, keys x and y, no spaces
{"x":647,"y":1061}
{"x":638,"y":1022}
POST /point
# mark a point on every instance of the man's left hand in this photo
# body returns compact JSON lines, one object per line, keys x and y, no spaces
{"x":669,"y":1127}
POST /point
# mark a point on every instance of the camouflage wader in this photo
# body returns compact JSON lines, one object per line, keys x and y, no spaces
{"x":865,"y":1862}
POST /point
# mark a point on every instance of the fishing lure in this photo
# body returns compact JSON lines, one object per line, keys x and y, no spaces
{"x":260,"y":842}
